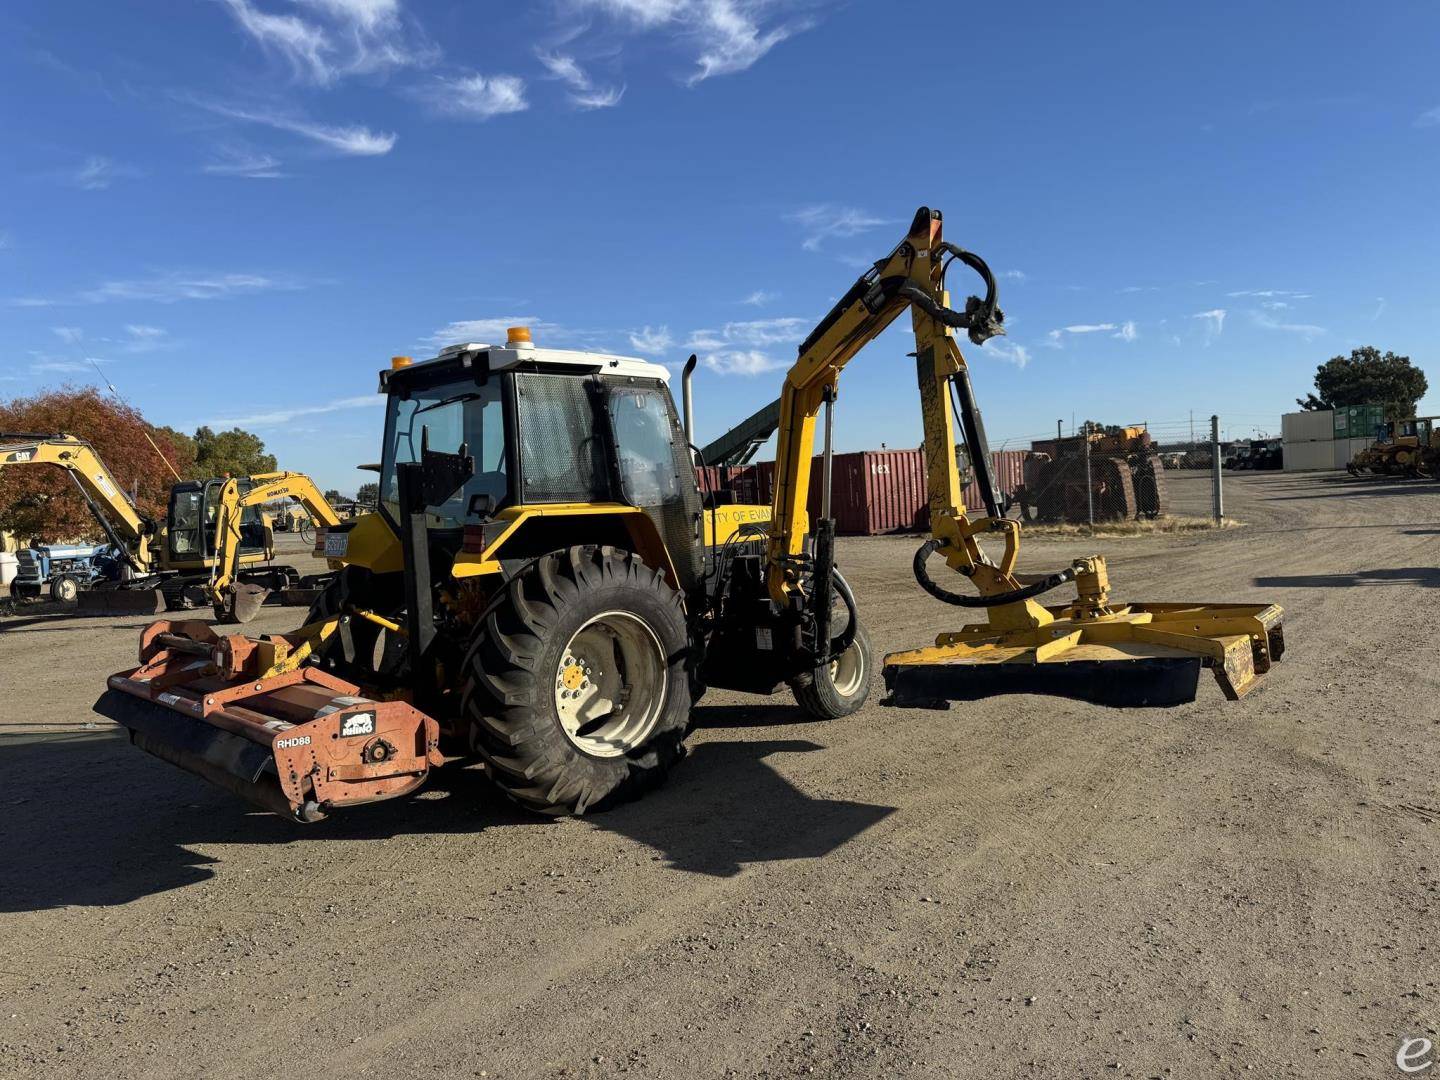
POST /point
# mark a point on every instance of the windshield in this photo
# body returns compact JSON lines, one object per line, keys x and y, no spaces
{"x":453,"y":413}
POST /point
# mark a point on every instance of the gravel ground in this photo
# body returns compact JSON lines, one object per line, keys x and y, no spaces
{"x":1021,"y":887}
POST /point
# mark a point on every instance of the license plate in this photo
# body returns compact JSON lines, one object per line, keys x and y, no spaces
{"x":336,"y":544}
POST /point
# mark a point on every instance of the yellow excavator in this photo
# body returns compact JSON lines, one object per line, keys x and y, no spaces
{"x":236,"y":600}
{"x":543,"y":589}
{"x":149,"y":566}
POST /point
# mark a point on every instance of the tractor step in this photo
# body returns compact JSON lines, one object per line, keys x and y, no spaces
{"x":300,"y":743}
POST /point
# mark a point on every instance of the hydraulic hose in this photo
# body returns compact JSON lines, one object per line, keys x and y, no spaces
{"x":1044,"y":585}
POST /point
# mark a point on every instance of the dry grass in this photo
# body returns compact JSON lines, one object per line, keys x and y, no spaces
{"x":1156,"y":527}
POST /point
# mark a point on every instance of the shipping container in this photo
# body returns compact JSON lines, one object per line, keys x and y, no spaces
{"x":1310,"y":426}
{"x":1358,"y":421}
{"x":1346,"y":449}
{"x":1312,"y":456}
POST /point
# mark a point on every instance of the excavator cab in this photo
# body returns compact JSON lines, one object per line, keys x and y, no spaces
{"x":191,"y":516}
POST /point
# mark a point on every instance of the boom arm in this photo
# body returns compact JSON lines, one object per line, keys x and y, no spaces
{"x":125,"y":527}
{"x":912,"y":276}
{"x":266,"y":486}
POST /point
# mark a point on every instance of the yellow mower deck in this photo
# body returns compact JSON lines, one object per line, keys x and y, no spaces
{"x":1133,"y":655}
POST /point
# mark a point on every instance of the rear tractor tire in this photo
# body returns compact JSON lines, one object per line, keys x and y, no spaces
{"x":840,"y":687}
{"x":577,"y":693}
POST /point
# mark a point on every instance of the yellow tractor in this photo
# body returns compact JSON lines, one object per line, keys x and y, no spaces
{"x":542,"y":588}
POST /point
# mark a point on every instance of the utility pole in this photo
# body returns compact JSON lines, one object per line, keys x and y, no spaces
{"x":1192,"y":428}
{"x":1089,"y":489}
{"x":1216,"y":494}
{"x":1059,"y":429}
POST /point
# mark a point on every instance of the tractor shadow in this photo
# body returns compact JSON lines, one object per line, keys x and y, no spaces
{"x":94,"y":822}
{"x":1426,"y":577}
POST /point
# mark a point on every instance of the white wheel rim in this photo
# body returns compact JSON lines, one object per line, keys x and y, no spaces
{"x":610,"y":685}
{"x":848,"y":670}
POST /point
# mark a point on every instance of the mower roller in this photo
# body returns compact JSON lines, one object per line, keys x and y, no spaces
{"x":542,"y":586}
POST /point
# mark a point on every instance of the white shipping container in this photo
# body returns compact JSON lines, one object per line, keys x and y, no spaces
{"x":1310,"y":456}
{"x":1346,"y":449}
{"x":1308,"y":426}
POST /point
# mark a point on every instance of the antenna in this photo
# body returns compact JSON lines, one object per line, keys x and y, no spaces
{"x":144,"y":430}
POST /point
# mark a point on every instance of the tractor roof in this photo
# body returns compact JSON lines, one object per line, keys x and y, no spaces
{"x":505,"y":357}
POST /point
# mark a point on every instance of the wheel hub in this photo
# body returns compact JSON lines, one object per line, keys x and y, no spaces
{"x":610,"y":685}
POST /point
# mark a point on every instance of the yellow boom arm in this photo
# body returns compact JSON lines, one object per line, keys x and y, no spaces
{"x":265,"y":487}
{"x":911,"y":276}
{"x":126,"y":528}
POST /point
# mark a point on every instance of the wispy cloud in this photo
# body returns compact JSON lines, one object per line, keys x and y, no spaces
{"x":740,"y":361}
{"x":492,"y":331}
{"x":743,"y":348}
{"x":29,"y":302}
{"x":145,"y":339}
{"x":98,"y":173}
{"x":651,"y":342}
{"x":1139,"y":288}
{"x":1429,"y":118}
{"x":1008,"y":351}
{"x":1014,"y":275}
{"x":1308,"y":331}
{"x":173,"y":287}
{"x":1379,"y":308}
{"x":1127,"y":331}
{"x":825,"y":221}
{"x":277,"y":417}
{"x":584,"y":92}
{"x":1268,"y":293}
{"x":759,"y":298}
{"x":1089,"y":328}
{"x":71,"y":335}
{"x":724,"y":36}
{"x":352,"y":140}
{"x":1213,"y":320}
{"x":1055,"y":339}
{"x":477,"y":97}
{"x":240,"y":162}
{"x":335,"y":38}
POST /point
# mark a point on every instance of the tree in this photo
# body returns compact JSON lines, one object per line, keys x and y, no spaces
{"x":368,"y":494}
{"x":234,"y":453}
{"x":43,"y":502}
{"x":1368,"y":377}
{"x":333,"y":496}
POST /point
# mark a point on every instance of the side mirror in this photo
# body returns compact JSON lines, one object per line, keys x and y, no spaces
{"x":481,"y":505}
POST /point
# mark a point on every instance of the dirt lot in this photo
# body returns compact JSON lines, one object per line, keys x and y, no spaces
{"x":1022,"y":887}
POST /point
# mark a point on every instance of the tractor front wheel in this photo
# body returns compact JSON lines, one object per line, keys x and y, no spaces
{"x":64,"y":589}
{"x":840,"y":687}
{"x":577,"y":693}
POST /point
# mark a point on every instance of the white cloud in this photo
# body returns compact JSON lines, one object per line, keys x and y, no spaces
{"x":650,"y":342}
{"x":1307,"y":331}
{"x":276,"y":417}
{"x":29,"y":302}
{"x":1379,"y":308}
{"x":145,"y":339}
{"x":1139,"y":288}
{"x":71,"y":335}
{"x":826,"y":220}
{"x":1127,"y":331}
{"x":248,"y":164}
{"x":583,"y":90}
{"x":339,"y":38}
{"x":353,"y":140}
{"x":1055,"y":339}
{"x":99,"y":172}
{"x":726,"y":36}
{"x":478,"y":97}
{"x":754,"y":334}
{"x":1014,"y":275}
{"x":174,"y":287}
{"x":1089,"y":328}
{"x":1429,"y":118}
{"x":1214,"y":321}
{"x":1274,"y":305}
{"x":759,"y":298}
{"x":492,"y":331}
{"x":741,"y":362}
{"x":1008,"y":351}
{"x":1271,"y":293}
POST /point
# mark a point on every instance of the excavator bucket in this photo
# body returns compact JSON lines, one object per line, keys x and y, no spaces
{"x":299,"y":743}
{"x":1132,"y":656}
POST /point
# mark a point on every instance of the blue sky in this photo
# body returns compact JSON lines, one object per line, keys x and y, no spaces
{"x":242,"y":208}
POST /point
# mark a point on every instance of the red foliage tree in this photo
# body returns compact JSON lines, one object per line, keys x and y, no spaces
{"x":41,"y":501}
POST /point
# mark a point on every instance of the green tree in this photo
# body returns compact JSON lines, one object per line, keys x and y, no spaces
{"x":369,"y":494}
{"x":1368,"y":377}
{"x":333,"y":496}
{"x":234,"y":452}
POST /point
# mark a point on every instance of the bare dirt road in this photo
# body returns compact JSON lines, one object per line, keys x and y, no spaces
{"x":1022,"y":887}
